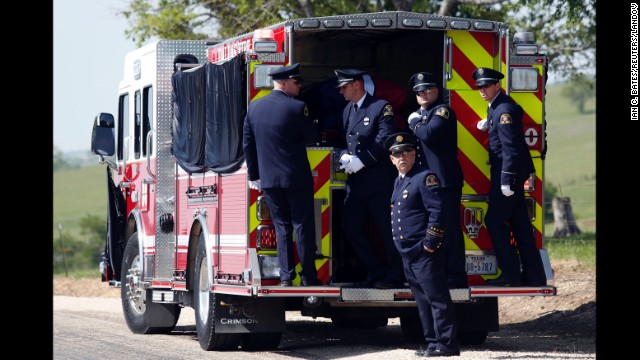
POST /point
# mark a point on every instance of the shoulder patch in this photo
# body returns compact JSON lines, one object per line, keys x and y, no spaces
{"x":505,"y":119}
{"x":443,"y":111}
{"x":432,"y":180}
{"x":306,"y":110}
{"x":388,"y":110}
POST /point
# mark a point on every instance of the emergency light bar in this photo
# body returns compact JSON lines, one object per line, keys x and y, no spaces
{"x":524,"y":43}
{"x":264,"y":41}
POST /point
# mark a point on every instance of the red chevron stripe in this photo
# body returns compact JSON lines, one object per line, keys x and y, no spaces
{"x":322,"y":173}
{"x":463,"y":66}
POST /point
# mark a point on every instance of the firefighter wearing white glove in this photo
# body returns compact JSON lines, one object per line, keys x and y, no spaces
{"x":413,"y":116}
{"x":506,"y":190}
{"x":483,"y":125}
{"x":344,"y":159}
{"x":354,"y":165}
{"x":255,"y":185}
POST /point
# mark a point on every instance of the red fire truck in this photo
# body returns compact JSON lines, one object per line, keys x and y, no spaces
{"x":184,"y":228}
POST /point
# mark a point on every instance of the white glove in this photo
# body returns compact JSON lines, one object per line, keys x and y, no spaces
{"x":344,"y":159}
{"x":354,"y":165}
{"x":255,"y":185}
{"x":414,"y":115}
{"x":483,"y":125}
{"x":506,"y":190}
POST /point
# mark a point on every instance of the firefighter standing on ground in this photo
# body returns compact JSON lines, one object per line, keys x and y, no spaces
{"x":418,"y":233}
{"x":511,"y":166}
{"x":367,"y":122}
{"x":276,"y":130}
{"x":435,"y":125}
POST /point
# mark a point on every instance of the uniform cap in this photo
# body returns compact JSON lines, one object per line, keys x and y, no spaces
{"x":286,"y":72}
{"x":401,"y":140}
{"x":485,"y":76}
{"x":422,"y":81}
{"x":347,"y":75}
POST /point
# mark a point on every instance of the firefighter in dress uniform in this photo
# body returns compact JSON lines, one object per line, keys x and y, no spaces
{"x":435,"y":125}
{"x":418,"y":233}
{"x":276,"y":130}
{"x":367,"y":122}
{"x":511,"y":166}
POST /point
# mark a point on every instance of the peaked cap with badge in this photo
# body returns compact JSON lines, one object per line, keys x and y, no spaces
{"x":400,"y":141}
{"x":286,"y":72}
{"x":347,"y":75}
{"x":422,"y":81}
{"x":486,"y":76}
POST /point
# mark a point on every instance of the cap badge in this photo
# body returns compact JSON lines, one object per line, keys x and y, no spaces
{"x":420,"y":76}
{"x":399,"y":138}
{"x":481,"y":71}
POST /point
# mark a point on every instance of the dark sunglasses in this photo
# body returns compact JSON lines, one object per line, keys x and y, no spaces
{"x":397,"y":154}
{"x":426,"y":91}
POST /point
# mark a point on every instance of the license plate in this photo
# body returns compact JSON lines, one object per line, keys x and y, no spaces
{"x":481,"y":265}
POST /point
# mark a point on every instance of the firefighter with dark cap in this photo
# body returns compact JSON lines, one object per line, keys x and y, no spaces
{"x":417,"y":221}
{"x":367,"y":121}
{"x":276,"y":131}
{"x":435,"y":125}
{"x":511,"y":166}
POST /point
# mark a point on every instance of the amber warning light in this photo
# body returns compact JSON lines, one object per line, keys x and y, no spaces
{"x":264,"y":41}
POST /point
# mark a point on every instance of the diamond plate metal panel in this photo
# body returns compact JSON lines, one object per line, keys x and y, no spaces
{"x":166,"y":50}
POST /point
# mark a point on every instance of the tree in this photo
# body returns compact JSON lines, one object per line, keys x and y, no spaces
{"x":566,"y":28}
{"x":59,"y":161}
{"x":579,"y":90}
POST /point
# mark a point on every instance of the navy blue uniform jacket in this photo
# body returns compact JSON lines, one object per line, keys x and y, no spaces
{"x":280,"y":127}
{"x":416,"y":206}
{"x":507,"y":148}
{"x":365,"y":135}
{"x":438,"y":134}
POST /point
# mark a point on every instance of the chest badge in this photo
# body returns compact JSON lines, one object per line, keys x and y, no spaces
{"x":405,"y":194}
{"x":366,"y":121}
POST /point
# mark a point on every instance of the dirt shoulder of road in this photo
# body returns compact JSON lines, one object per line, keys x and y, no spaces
{"x":572,"y":310}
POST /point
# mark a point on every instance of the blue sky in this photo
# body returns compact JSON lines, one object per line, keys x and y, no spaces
{"x":88,"y":52}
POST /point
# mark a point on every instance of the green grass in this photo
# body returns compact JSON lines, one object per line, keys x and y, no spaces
{"x":76,"y":194}
{"x":571,"y":156}
{"x":581,"y":248}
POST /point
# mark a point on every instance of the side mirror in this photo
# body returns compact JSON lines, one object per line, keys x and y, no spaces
{"x":103,"y":135}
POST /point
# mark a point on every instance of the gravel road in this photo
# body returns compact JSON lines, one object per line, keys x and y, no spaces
{"x":559,"y":327}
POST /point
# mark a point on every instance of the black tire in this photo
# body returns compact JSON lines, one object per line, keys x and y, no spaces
{"x":204,"y":302}
{"x":472,"y":338}
{"x":412,"y":329}
{"x":135,"y":306}
{"x":261,"y":341}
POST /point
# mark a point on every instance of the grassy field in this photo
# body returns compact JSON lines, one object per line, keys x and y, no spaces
{"x":570,"y":166}
{"x":76,"y":194}
{"x":571,"y":156}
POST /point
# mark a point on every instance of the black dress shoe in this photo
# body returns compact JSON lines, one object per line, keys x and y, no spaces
{"x":502,"y":282}
{"x":285,"y":283}
{"x":440,"y":352}
{"x":311,"y":282}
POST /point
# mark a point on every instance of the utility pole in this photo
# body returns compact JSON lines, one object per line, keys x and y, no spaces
{"x":62,"y":249}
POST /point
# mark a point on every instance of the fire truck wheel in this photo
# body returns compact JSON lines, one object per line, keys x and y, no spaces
{"x":137,"y":306}
{"x":412,"y":329}
{"x":205,"y":305}
{"x":261,"y":341}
